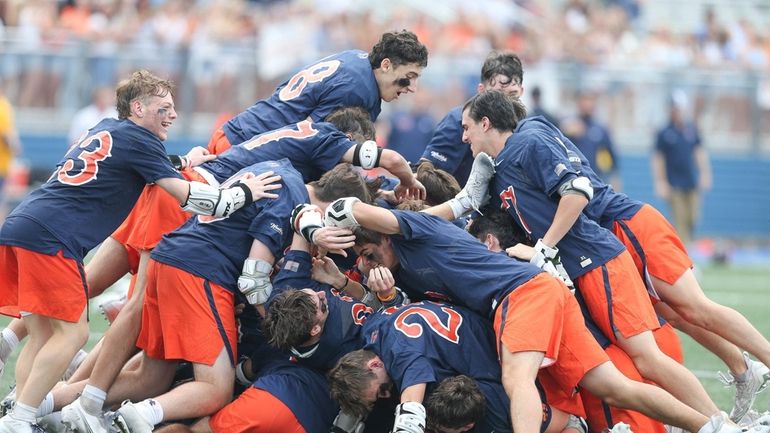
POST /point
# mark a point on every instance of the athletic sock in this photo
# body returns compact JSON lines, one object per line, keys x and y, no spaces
{"x":92,"y":399}
{"x":23,"y":412}
{"x":46,"y":406}
{"x":8,"y":343}
{"x":150,"y":410}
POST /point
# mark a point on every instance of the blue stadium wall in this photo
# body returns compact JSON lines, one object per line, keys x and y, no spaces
{"x":738,"y":205}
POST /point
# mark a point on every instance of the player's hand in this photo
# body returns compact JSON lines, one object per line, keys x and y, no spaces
{"x":333,"y":240}
{"x":520,"y":251}
{"x":326,"y":271}
{"x":410,"y":418}
{"x":381,"y":282}
{"x":261,"y":184}
{"x":388,"y":196}
{"x":198,"y":155}
{"x":413,"y":190}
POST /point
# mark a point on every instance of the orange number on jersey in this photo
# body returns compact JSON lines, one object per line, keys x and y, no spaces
{"x":360,"y":313}
{"x":448,"y":331}
{"x":313,"y":74}
{"x":508,"y":197}
{"x":304,"y":130}
{"x":90,"y":160}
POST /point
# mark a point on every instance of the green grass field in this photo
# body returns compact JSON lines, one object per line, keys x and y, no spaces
{"x":745,"y":289}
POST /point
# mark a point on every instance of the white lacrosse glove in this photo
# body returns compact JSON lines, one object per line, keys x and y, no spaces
{"x":410,"y":418}
{"x":340,"y":213}
{"x":306,"y":219}
{"x":475,"y":193}
{"x":254,"y":281}
{"x":547,"y":259}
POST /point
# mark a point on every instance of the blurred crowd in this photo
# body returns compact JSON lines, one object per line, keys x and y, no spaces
{"x":208,"y":40}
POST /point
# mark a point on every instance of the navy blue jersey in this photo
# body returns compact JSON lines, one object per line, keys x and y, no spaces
{"x":343,"y":326}
{"x":344,"y":79}
{"x":215,"y":248}
{"x":427,"y":342}
{"x":530,"y":169}
{"x":91,"y":191}
{"x":677,"y":144}
{"x":312,"y":148}
{"x":446,"y":149}
{"x":442,"y":261}
{"x":607,"y":205}
{"x":304,"y":391}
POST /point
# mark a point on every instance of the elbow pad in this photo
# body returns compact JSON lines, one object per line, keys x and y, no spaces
{"x":367,"y":155}
{"x":579,"y":185}
{"x":209,"y":200}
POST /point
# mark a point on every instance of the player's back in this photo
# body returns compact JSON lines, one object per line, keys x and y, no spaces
{"x":446,"y":149}
{"x":607,"y":205}
{"x":215,"y":248}
{"x":312,"y":148}
{"x":437,"y":257}
{"x":96,"y":184}
{"x":343,"y":79}
{"x":530,"y":169}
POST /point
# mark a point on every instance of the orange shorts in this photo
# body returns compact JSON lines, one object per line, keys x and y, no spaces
{"x":185,"y":317}
{"x":541,"y":315}
{"x":51,"y":286}
{"x":654,"y":244}
{"x":617,"y":298}
{"x":255,"y":411}
{"x":600,"y":416}
{"x":556,"y":397}
{"x":218,"y":142}
{"x":154,"y":214}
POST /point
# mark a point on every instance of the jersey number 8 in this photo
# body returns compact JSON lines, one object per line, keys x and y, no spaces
{"x":313,"y":74}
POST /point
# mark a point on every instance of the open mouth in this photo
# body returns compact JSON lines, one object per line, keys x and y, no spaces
{"x":166,"y":124}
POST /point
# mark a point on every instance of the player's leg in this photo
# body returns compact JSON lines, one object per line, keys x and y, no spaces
{"x":51,"y":360}
{"x":211,"y":390}
{"x":9,"y":340}
{"x":629,"y":321}
{"x":108,"y":265}
{"x":179,"y":428}
{"x":615,"y":389}
{"x":519,"y":373}
{"x":675,"y":378}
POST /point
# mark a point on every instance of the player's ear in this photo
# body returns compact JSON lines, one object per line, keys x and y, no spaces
{"x":315,"y":330}
{"x":480,"y":88}
{"x":385,"y":64}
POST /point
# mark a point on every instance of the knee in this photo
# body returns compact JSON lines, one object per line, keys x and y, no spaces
{"x":698,"y":313}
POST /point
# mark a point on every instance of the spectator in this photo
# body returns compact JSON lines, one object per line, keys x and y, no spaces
{"x":537,"y":107}
{"x":411,"y":129}
{"x":593,"y":139}
{"x":102,"y":106}
{"x":680,"y":167}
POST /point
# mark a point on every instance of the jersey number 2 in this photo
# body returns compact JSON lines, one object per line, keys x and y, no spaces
{"x":447,"y":331}
{"x":90,"y":159}
{"x":301,"y":79}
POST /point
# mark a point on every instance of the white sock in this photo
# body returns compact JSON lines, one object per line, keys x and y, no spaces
{"x":8,"y":343}
{"x":92,"y":399}
{"x":23,"y":412}
{"x":150,"y":410}
{"x":46,"y":406}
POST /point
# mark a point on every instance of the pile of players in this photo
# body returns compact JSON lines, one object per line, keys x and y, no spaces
{"x":240,"y":320}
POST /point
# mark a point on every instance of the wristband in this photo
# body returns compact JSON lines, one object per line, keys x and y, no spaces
{"x":347,"y":280}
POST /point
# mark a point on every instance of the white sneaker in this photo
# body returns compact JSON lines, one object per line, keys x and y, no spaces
{"x":620,"y":427}
{"x":476,"y":190}
{"x":51,"y":423}
{"x":720,"y":423}
{"x":753,"y":417}
{"x":7,"y":403}
{"x":9,"y":424}
{"x":77,"y":420}
{"x":74,"y":364}
{"x":129,"y":420}
{"x":672,"y":429}
{"x":756,"y":379}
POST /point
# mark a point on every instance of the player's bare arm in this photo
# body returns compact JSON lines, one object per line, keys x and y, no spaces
{"x":368,"y":155}
{"x":350,"y":212}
